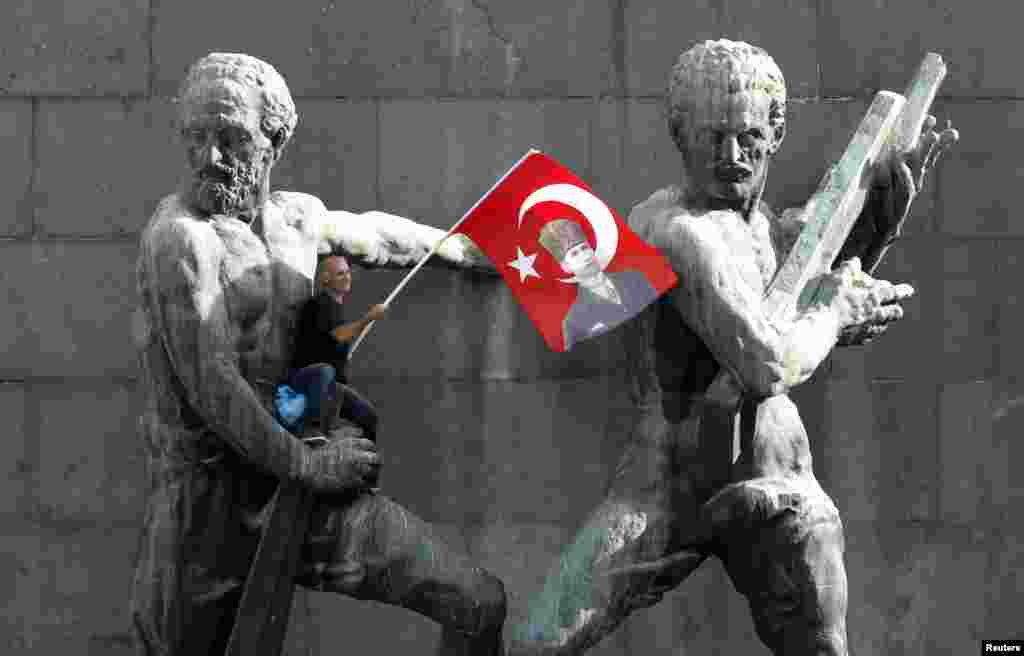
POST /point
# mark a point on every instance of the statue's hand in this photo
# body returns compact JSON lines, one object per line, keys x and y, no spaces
{"x":866,"y":305}
{"x":464,"y":252}
{"x":930,"y":147}
{"x":341,"y":465}
{"x":898,"y":181}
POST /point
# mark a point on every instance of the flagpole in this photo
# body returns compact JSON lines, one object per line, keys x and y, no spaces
{"x":437,"y":246}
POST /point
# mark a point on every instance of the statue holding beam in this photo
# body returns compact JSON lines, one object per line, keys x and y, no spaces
{"x":719,"y":462}
{"x":225,"y":265}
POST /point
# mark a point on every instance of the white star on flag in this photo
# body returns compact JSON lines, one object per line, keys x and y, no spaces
{"x":524,"y":265}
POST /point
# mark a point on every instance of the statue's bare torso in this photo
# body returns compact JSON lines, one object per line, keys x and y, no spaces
{"x":219,"y":299}
{"x":265,"y":272}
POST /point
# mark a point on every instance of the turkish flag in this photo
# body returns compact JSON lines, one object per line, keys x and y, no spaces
{"x":571,"y":261}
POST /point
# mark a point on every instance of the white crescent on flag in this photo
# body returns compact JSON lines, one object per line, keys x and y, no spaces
{"x":587,"y":204}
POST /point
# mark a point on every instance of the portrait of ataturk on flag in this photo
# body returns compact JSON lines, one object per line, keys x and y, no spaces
{"x":571,"y":262}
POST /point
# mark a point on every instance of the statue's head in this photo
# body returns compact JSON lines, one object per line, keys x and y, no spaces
{"x":236,"y":116}
{"x":568,"y":244}
{"x":726,"y":106}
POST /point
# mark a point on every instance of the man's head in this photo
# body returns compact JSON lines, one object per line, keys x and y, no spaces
{"x":568,"y":244}
{"x":334,"y":275}
{"x":727,"y":115}
{"x":236,"y":116}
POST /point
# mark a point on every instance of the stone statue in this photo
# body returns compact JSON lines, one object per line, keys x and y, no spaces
{"x":224,"y":267}
{"x":677,"y":497}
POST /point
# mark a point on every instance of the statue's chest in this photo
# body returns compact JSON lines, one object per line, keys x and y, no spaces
{"x":751,"y":249}
{"x":265,"y":279}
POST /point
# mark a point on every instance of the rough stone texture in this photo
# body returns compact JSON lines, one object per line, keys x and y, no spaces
{"x":985,"y":165}
{"x":1009,"y":317}
{"x":16,"y":162}
{"x":475,"y":451}
{"x":656,"y":33}
{"x":333,"y":154}
{"x":545,"y":457}
{"x":16,"y":451}
{"x":880,"y":462}
{"x":431,"y":444}
{"x":918,"y":337}
{"x":915,"y":589}
{"x":73,"y":320}
{"x":632,"y":153}
{"x":90,"y":153}
{"x":1004,"y":455}
{"x":67,"y":585}
{"x":469,"y":144}
{"x":440,"y":48}
{"x":974,"y":481}
{"x":1004,"y":579}
{"x":864,"y":47}
{"x":969,"y":310}
{"x":88,"y":473}
{"x":850,"y":462}
{"x":80,"y":47}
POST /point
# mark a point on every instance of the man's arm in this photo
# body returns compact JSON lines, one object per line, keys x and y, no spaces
{"x":197,"y":334}
{"x":766,"y":357}
{"x":345,"y":333}
{"x":385,"y":240}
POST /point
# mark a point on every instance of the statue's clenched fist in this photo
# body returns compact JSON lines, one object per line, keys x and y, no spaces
{"x":342,"y":465}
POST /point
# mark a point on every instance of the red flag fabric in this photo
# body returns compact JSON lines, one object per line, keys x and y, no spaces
{"x":571,"y":261}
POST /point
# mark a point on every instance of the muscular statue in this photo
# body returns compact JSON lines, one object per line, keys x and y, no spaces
{"x":224,"y":267}
{"x":677,"y":496}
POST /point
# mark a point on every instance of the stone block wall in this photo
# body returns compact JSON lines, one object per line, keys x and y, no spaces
{"x":415,"y":107}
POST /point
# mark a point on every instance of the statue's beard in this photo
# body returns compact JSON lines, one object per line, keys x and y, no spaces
{"x":229,"y":190}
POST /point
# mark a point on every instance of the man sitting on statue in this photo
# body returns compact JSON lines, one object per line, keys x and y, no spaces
{"x":322,"y":343}
{"x":225,"y":265}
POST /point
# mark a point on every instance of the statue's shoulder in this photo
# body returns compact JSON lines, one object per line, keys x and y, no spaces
{"x":175,"y":231}
{"x":651,"y":216}
{"x":304,"y":212}
{"x":173,"y":224}
{"x":664,"y":218}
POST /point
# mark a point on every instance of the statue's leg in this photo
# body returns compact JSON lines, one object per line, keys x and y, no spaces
{"x":372,"y":548}
{"x":642,"y":541}
{"x":787,"y":559}
{"x":623,"y":559}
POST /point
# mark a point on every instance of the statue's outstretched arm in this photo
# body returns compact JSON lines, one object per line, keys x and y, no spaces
{"x":379,"y":239}
{"x":187,"y":301}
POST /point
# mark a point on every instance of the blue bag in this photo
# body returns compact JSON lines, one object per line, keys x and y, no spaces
{"x":290,"y":406}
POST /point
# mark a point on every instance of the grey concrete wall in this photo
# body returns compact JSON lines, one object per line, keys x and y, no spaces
{"x":415,"y":108}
